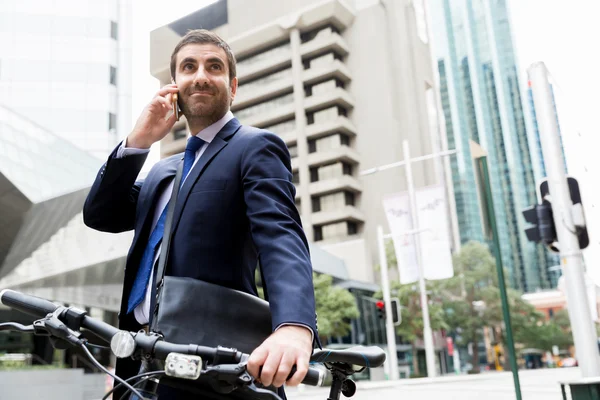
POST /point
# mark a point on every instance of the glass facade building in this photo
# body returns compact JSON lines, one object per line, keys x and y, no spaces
{"x":65,"y":64}
{"x":481,"y":100}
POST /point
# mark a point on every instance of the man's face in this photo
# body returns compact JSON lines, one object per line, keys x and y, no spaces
{"x":202,"y":76}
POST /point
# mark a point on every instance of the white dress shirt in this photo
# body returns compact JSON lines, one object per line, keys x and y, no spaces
{"x":142,"y":311}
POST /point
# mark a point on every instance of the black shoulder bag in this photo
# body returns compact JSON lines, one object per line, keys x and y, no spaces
{"x":192,"y":311}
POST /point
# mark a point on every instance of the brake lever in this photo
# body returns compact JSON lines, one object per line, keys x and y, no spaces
{"x":13,"y":326}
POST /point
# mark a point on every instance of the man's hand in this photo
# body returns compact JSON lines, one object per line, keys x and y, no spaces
{"x":288,"y":346}
{"x":153,"y":124}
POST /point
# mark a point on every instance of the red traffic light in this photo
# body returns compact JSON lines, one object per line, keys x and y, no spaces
{"x":380,"y":304}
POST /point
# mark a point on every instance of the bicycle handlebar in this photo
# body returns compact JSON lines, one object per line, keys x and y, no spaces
{"x":160,"y":349}
{"x":31,"y":305}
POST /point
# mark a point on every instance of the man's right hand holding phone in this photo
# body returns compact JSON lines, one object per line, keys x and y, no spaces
{"x":155,"y":122}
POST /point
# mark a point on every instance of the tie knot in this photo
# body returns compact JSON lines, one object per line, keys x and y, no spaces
{"x":193,"y":144}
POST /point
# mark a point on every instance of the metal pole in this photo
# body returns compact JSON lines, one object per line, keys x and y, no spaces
{"x":584,"y":334}
{"x":389,"y":324}
{"x":501,"y":282}
{"x":427,"y":332}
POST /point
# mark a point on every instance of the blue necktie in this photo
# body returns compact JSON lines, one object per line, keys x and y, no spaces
{"x":138,"y":291}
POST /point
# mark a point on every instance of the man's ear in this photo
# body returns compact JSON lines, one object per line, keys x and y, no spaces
{"x":233,"y":87}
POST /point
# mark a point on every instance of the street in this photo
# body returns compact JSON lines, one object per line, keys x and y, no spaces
{"x":535,"y":385}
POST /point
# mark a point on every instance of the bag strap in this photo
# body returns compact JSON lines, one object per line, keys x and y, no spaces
{"x":166,"y":241}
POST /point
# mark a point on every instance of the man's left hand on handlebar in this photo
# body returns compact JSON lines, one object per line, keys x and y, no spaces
{"x":288,"y":346}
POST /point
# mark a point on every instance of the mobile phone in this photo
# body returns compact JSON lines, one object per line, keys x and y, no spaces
{"x":174,"y":98}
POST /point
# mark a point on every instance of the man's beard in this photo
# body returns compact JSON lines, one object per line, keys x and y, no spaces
{"x":211,"y":109}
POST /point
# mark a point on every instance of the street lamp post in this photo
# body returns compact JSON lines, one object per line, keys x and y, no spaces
{"x":427,"y":331}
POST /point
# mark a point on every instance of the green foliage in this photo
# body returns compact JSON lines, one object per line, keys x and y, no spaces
{"x":335,"y":307}
{"x":480,"y":305}
{"x":409,"y":295}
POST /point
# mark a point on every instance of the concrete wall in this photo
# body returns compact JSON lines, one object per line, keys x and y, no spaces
{"x":56,"y":384}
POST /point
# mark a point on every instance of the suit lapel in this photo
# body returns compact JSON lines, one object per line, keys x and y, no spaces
{"x":217,"y":144}
{"x":155,"y":182}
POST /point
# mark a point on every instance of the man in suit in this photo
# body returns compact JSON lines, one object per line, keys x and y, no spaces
{"x":235,"y":208}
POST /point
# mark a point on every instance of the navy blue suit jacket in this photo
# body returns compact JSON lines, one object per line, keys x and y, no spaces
{"x":236,"y":208}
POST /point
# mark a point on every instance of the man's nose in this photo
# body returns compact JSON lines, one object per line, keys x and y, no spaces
{"x":201,"y":77}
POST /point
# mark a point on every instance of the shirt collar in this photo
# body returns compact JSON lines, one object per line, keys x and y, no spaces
{"x":208,"y":134}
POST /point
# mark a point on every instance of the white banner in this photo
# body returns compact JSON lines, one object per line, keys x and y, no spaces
{"x":434,"y":235}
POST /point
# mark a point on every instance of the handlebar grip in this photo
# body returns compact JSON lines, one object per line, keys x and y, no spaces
{"x":314,"y":377}
{"x":31,"y":305}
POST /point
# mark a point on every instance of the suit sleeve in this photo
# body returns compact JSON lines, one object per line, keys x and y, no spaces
{"x":277,"y":231}
{"x":110,"y":205}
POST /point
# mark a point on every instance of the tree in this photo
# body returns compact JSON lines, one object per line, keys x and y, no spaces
{"x":465,"y":314}
{"x":483,"y":307}
{"x":409,"y":295}
{"x":411,"y":327}
{"x":336,"y":307}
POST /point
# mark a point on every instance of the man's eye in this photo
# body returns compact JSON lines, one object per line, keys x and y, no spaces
{"x":188,"y":66}
{"x":216,"y":66}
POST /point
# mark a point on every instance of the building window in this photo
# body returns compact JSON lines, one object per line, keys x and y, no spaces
{"x":269,"y":53}
{"x":332,"y":202}
{"x":296,"y":177}
{"x":112,"y":121}
{"x":323,"y":87}
{"x":316,"y":204}
{"x":347,"y":169}
{"x":352,"y":228}
{"x":330,"y":171}
{"x":314,"y":174}
{"x":114,"y":30}
{"x":319,"y":32}
{"x":113,"y":75}
{"x":180,"y":133}
{"x":330,"y":142}
{"x":265,"y":106}
{"x":337,"y":230}
{"x":317,"y":233}
{"x":323,"y":60}
{"x":283,"y":127}
{"x":259,"y":83}
{"x":293,"y":149}
{"x":350,"y":197}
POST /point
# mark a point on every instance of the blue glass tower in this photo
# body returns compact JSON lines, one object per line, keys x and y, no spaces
{"x":481,"y":101}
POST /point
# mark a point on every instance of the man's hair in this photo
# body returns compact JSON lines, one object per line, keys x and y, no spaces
{"x":203,"y":36}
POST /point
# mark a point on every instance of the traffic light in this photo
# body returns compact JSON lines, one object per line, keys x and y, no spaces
{"x":380,"y":309}
{"x":577,"y":211}
{"x":396,"y":315}
{"x":542,"y":219}
{"x":543,"y":230}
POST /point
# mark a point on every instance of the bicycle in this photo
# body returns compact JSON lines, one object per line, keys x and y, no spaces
{"x":220,"y":368}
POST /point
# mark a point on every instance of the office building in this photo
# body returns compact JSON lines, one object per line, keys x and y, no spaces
{"x":343,"y":84}
{"x":66,"y":65}
{"x":482,"y":101}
